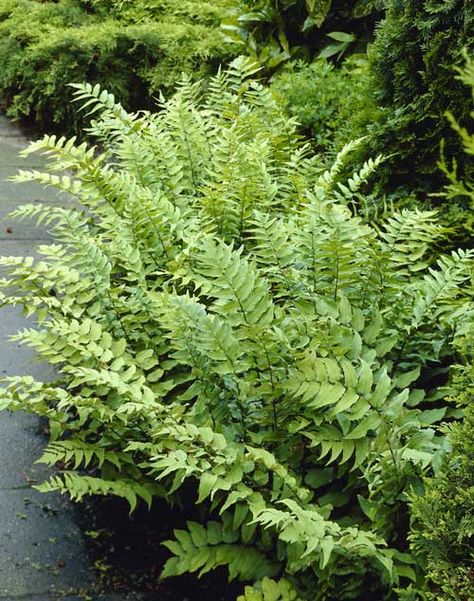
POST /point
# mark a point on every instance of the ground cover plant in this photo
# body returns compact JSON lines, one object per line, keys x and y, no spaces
{"x":136,"y":49}
{"x":228,"y":328}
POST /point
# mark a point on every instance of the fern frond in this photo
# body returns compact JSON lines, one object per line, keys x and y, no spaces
{"x":328,"y":179}
{"x":270,"y":590}
{"x":335,"y":248}
{"x":408,"y":236}
{"x":201,"y":549}
{"x":274,"y":252}
{"x":95,"y":99}
{"x":63,"y":183}
{"x":240,"y":292}
{"x":240,"y":70}
{"x":77,"y":487}
{"x":78,"y":454}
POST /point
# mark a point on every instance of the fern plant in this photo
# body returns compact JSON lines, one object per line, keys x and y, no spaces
{"x":224,"y":321}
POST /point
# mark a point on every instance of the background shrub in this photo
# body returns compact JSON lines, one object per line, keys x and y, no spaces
{"x":135,"y":49}
{"x":324,"y":99}
{"x":273,"y":31}
{"x":458,"y":197}
{"x":413,"y":60}
{"x":443,"y":517}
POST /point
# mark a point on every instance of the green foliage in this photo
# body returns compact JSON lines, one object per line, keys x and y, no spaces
{"x":416,"y":50}
{"x":131,"y":11}
{"x":460,"y":192}
{"x":225,"y":324}
{"x":443,"y":517}
{"x":324,"y":99}
{"x":135,"y":49}
{"x":273,"y":31}
{"x":270,"y":590}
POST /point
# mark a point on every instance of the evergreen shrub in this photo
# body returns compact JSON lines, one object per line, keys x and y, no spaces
{"x":413,"y":59}
{"x":458,"y":195}
{"x":227,"y":328}
{"x":136,"y":49}
{"x":443,"y":517}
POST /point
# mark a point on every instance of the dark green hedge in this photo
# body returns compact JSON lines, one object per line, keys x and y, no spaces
{"x":413,"y":61}
{"x":134,"y":49}
{"x":443,"y":518}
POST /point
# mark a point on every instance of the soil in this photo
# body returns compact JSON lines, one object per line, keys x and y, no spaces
{"x":129,"y":557}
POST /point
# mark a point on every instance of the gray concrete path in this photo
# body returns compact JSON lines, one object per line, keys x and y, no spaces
{"x":42,"y":551}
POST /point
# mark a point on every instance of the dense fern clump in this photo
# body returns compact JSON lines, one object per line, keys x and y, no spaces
{"x":224,"y":322}
{"x":136,"y":49}
{"x":413,"y":62}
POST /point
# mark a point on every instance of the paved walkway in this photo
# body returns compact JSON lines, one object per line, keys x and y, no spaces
{"x":42,"y":552}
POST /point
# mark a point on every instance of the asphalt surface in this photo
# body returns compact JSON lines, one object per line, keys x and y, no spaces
{"x":43,"y":554}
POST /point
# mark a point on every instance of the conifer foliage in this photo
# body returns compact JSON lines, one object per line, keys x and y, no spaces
{"x":224,"y":322}
{"x":134,"y":48}
{"x":416,"y":50}
{"x":443,"y":516}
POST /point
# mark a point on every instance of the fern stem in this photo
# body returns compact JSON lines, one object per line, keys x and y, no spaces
{"x":217,"y":220}
{"x":117,"y":315}
{"x":336,"y":276}
{"x":272,"y":383}
{"x":242,"y":210}
{"x":150,"y":218}
{"x":188,"y":150}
